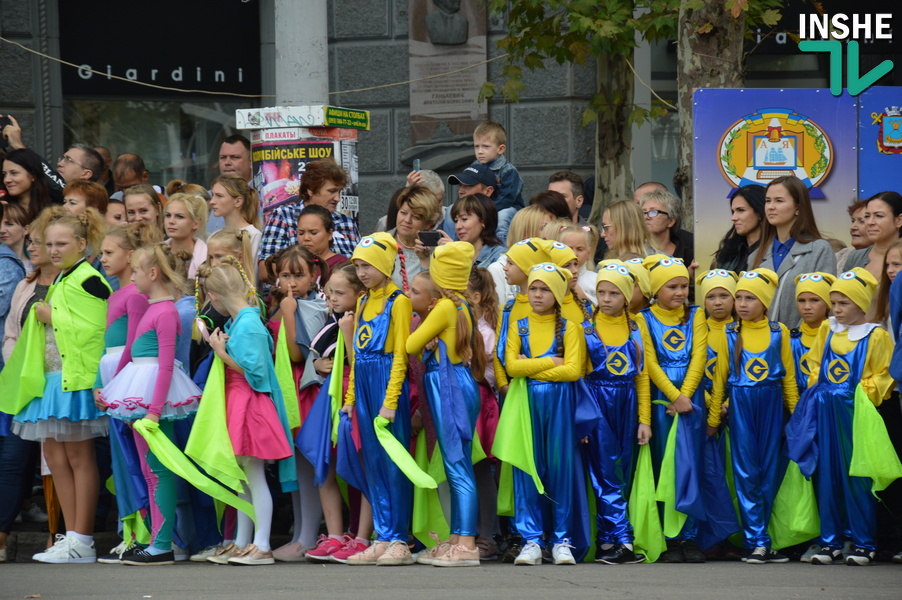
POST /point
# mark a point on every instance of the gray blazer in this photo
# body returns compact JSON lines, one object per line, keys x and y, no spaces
{"x":803,"y":258}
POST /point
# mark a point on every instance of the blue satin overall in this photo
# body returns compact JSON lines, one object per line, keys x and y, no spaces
{"x":447,"y":403}
{"x":756,"y":428}
{"x":390,"y":491}
{"x":798,"y":351}
{"x":502,"y":331}
{"x":612,"y":382}
{"x":552,"y":407}
{"x":845,"y":503}
{"x":673,"y":349}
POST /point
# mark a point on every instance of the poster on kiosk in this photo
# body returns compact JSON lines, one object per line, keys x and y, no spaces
{"x":284,"y":140}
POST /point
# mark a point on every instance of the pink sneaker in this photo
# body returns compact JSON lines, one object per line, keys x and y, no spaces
{"x":351,"y":547}
{"x":325,"y":547}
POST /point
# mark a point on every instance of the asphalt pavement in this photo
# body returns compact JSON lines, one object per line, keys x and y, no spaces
{"x":189,"y":581}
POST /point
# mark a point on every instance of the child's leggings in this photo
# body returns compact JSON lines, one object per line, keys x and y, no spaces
{"x":161,"y":492}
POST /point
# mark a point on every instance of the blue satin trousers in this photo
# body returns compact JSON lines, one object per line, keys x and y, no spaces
{"x":756,"y":428}
{"x":610,"y":451}
{"x":552,"y":407}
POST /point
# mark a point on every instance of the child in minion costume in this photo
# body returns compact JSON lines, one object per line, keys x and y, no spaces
{"x":642,"y":291}
{"x":524,"y":255}
{"x":849,"y":363}
{"x":379,"y":384}
{"x":574,"y":308}
{"x":453,"y":395}
{"x":756,"y":363}
{"x":618,"y":381}
{"x":803,"y":337}
{"x":674,"y":336}
{"x":549,"y":353}
{"x":707,"y":282}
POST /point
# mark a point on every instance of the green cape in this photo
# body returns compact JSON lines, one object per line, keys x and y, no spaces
{"x":285,"y":377}
{"x":401,"y":455}
{"x":648,"y":537}
{"x":169,"y":454}
{"x":209,"y":444}
{"x":513,"y":444}
{"x":873,"y":454}
{"x":22,"y":379}
{"x":666,"y":492}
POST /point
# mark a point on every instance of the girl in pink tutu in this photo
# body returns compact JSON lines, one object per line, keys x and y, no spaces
{"x":254,"y":408}
{"x":152,"y":386}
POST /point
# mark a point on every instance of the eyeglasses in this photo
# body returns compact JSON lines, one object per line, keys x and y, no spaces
{"x":69,"y":159}
{"x":651,"y":214}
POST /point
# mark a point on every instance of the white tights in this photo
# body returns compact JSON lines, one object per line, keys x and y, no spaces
{"x":258,"y":494}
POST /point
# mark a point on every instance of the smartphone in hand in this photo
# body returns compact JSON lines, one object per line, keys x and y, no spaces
{"x":430,"y":238}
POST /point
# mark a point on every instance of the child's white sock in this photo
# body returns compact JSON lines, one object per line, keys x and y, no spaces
{"x":87,"y":540}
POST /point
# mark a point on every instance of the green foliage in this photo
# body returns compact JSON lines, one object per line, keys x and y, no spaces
{"x":571,"y":31}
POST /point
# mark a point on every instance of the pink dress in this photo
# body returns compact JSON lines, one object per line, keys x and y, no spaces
{"x":252,"y":420}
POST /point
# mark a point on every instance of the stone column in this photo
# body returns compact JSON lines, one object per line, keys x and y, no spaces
{"x":301,"y":49}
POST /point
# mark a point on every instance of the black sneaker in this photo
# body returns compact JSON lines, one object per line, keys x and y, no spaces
{"x":860,"y":557}
{"x":511,"y":549}
{"x":692,"y":552}
{"x":827,"y":556}
{"x":673,"y":554}
{"x":115,"y":555}
{"x":620,"y":555}
{"x":143,"y":558}
{"x":761,"y":555}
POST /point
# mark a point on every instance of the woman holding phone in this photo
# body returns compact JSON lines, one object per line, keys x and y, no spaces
{"x":418,"y":212}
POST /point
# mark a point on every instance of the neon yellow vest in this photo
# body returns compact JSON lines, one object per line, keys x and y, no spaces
{"x":79,"y":321}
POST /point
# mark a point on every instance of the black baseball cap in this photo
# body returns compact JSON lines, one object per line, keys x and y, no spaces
{"x":475,"y":173}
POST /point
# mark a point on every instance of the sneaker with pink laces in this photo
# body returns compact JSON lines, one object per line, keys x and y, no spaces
{"x":426,"y":557}
{"x":325,"y":547}
{"x":458,"y":555}
{"x":352,"y":546}
{"x":368,"y":556}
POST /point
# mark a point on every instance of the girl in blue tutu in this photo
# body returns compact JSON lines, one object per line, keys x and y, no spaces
{"x":73,"y":320}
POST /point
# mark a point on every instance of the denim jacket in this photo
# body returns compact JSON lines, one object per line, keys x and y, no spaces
{"x":509,"y":184}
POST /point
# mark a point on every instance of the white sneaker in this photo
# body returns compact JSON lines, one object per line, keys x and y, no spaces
{"x":179,"y":553}
{"x":67,"y":550}
{"x":561,"y":553}
{"x":206,"y":553}
{"x":530,"y":554}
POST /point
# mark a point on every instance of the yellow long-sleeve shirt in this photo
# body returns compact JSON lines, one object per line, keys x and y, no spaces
{"x":698,"y":351}
{"x":519,"y":310}
{"x":570,"y":310}
{"x":875,"y":377}
{"x":614,"y":331}
{"x":541,"y":337}
{"x":441,"y":322}
{"x":809,"y":333}
{"x":395,"y":343}
{"x":756,"y":337}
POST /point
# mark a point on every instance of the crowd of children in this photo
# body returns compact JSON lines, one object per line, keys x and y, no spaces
{"x":597,"y":412}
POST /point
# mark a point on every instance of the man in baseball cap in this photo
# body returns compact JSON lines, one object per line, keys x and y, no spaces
{"x":475,"y":179}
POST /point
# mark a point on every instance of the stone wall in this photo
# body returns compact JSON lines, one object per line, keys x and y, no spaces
{"x":544,"y":133}
{"x":30,"y":86}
